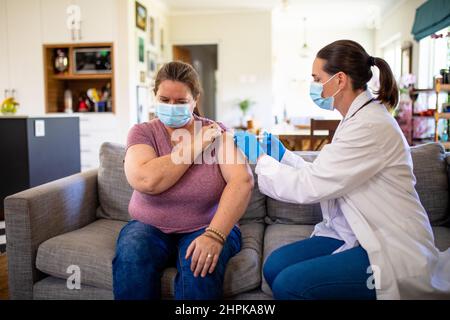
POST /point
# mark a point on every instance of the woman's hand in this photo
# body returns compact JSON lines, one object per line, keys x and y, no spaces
{"x":205,"y":253}
{"x":209,"y":134}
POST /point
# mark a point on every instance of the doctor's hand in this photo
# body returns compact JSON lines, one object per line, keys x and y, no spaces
{"x":249,"y":145}
{"x":205,"y":252}
{"x":273,"y":146}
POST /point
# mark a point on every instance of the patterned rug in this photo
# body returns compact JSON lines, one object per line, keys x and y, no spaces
{"x":2,"y":237}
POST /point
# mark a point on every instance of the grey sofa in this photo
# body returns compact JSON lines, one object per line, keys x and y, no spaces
{"x":76,"y":221}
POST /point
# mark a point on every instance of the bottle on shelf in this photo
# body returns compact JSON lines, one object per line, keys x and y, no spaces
{"x":444,"y":134}
{"x":68,"y":107}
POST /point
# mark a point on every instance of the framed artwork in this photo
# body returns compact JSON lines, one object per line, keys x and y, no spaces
{"x":141,"y":49}
{"x":151,"y":29}
{"x":142,"y":77}
{"x":141,"y":16}
{"x":142,"y":104}
{"x":406,"y":59}
{"x":151,"y":63}
{"x":162,"y":40}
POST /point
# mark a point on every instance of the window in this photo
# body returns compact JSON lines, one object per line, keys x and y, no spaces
{"x":434,"y":55}
{"x":392,"y":53}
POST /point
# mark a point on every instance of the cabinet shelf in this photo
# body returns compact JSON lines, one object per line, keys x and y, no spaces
{"x":56,"y":84}
{"x":444,"y":115}
{"x":445,"y":87}
{"x":82,"y":76}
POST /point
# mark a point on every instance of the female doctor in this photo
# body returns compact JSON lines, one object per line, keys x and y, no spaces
{"x":375,"y":240}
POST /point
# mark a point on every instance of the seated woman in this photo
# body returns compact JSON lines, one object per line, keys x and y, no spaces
{"x":182,"y":210}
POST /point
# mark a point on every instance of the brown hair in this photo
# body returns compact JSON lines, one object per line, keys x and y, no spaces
{"x":181,"y":72}
{"x":350,"y":57}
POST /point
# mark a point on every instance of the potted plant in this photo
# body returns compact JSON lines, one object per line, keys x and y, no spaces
{"x":245,"y":105}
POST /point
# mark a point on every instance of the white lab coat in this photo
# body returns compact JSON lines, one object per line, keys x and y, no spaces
{"x":365,"y":185}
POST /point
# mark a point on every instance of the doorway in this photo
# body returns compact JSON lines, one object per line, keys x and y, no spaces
{"x":204,"y":59}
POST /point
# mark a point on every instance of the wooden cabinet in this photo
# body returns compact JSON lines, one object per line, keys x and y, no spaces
{"x":97,"y":20}
{"x":78,"y":84}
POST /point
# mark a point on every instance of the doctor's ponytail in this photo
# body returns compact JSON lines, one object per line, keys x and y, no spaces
{"x":350,"y":57}
{"x":388,"y":92}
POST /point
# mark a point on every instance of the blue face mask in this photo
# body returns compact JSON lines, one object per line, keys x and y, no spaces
{"x":316,"y":90}
{"x":173,"y":115}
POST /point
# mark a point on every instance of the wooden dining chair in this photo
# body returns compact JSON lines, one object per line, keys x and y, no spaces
{"x":317,"y":142}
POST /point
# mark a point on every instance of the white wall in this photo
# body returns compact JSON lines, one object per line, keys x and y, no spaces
{"x":398,"y":23}
{"x":244,"y":54}
{"x":292,"y":73}
{"x":131,"y":66}
{"x":127,"y":63}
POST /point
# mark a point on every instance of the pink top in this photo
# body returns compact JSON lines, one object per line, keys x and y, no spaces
{"x":191,"y":203}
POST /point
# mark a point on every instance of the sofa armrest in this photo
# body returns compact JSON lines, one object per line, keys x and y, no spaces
{"x":38,"y":214}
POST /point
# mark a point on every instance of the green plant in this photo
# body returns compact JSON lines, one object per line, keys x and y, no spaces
{"x":245,"y":105}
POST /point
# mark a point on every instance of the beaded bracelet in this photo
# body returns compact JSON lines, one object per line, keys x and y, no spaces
{"x":215,"y":231}
{"x":220,"y":240}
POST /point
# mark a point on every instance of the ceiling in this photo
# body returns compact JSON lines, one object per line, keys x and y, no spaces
{"x":369,"y":11}
{"x":208,"y":5}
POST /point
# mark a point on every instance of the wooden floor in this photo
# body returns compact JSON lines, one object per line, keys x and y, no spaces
{"x":3,"y":277}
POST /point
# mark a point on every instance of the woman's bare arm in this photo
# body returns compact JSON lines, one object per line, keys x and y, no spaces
{"x":232,"y":206}
{"x":237,"y":193}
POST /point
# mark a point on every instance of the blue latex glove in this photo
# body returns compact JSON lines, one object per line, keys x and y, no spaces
{"x":249,"y":145}
{"x":273,"y":146}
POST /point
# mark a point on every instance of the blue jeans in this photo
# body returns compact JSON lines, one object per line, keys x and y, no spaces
{"x":307,"y":270}
{"x":143,"y":252}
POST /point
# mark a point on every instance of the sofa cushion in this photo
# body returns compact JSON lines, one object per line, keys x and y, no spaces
{"x":114,"y":192}
{"x":442,"y":237}
{"x":52,"y":288}
{"x":430,"y":169}
{"x":92,"y":248}
{"x":278,"y":235}
{"x":256,"y":210}
{"x":289,"y":213}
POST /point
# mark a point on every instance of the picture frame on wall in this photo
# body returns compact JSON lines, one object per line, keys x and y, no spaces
{"x":406,"y":59}
{"x":162,"y":40}
{"x":141,"y":49}
{"x":152,"y":62}
{"x":151,"y":30}
{"x":141,"y":16}
{"x":142,"y":103}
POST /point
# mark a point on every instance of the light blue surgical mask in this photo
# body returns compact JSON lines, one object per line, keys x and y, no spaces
{"x":173,"y":115}
{"x":316,"y":90}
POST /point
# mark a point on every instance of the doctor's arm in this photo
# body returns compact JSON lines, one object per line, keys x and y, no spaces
{"x":340,"y":167}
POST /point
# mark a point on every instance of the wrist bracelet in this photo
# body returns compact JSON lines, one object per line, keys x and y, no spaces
{"x":214,"y":238}
{"x":215,"y":231}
